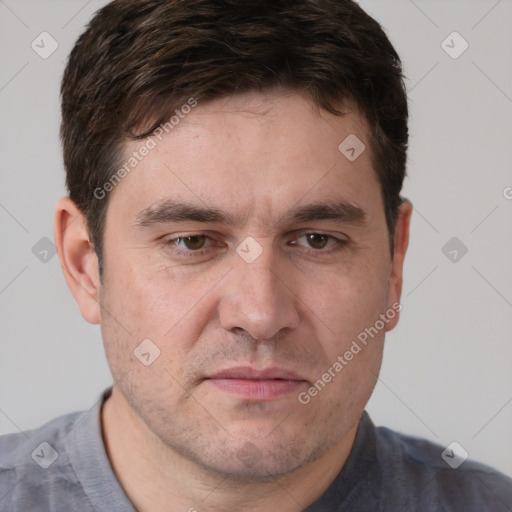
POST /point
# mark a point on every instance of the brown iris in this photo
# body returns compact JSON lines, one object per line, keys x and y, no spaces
{"x":317,"y":241}
{"x":194,"y":242}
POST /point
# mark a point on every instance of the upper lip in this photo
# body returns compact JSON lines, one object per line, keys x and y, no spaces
{"x":248,"y":373}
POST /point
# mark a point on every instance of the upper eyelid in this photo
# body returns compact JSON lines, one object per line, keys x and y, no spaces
{"x":295,"y":232}
{"x":337,"y":239}
{"x":299,"y":234}
{"x":332,"y":237}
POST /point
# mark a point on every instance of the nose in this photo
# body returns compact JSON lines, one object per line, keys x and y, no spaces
{"x":258,"y":298}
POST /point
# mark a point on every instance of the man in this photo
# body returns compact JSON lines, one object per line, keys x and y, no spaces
{"x":235,"y":225}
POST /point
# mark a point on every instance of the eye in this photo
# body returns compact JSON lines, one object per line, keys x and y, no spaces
{"x":191,"y":243}
{"x":319,"y":241}
{"x":316,"y":240}
{"x":196,"y":246}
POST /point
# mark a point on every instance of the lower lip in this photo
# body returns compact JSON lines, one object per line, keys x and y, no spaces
{"x":257,"y":389}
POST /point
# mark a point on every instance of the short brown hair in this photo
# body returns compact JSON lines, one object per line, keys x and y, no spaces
{"x":138,"y":60}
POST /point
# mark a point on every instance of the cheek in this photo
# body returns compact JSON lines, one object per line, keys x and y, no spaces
{"x":144,"y":352}
{"x":147,"y":296}
{"x":354,"y":304}
{"x":348,"y":301}
{"x":157,"y":303}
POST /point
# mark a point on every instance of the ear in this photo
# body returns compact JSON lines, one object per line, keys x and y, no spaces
{"x":401,"y":241}
{"x":77,"y":258}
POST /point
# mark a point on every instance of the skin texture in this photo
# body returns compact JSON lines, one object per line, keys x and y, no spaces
{"x":299,"y":305}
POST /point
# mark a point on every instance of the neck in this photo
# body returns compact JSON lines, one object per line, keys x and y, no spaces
{"x":153,"y":475}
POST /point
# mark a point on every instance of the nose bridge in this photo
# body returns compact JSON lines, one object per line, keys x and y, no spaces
{"x":257,"y":299}
{"x":260,"y":279}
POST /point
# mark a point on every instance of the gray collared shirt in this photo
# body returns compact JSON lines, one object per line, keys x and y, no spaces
{"x":63,"y":467}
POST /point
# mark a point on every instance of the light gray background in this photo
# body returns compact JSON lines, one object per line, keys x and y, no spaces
{"x":446,"y":373}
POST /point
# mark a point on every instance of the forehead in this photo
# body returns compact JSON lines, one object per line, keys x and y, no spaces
{"x":253,"y":152}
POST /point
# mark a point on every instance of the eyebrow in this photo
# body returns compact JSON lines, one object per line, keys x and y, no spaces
{"x":341,"y":211}
{"x":171,"y":212}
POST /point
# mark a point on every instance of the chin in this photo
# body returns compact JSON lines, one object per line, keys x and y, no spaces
{"x":260,"y":460}
{"x":262,"y":470}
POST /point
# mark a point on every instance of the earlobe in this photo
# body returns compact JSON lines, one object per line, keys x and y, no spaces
{"x":77,"y":258}
{"x":401,"y":242}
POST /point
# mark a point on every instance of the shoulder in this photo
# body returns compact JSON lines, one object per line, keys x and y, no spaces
{"x":35,"y":463}
{"x":433,"y":477}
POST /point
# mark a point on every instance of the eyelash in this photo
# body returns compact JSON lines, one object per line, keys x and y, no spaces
{"x":339,"y":244}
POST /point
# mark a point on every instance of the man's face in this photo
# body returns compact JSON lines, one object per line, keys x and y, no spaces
{"x":281,"y":278}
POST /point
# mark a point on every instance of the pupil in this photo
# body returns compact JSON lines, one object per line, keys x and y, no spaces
{"x":317,"y":241}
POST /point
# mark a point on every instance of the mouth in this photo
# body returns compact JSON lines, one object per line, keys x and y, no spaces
{"x":257,"y":385}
